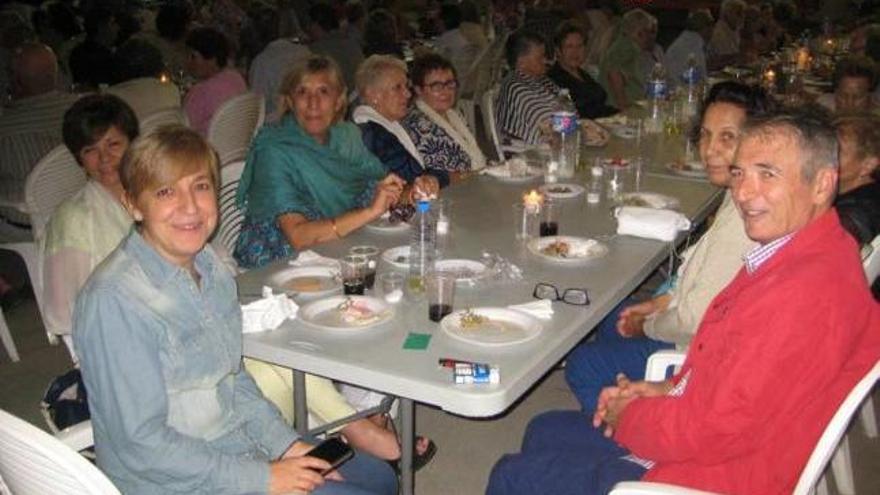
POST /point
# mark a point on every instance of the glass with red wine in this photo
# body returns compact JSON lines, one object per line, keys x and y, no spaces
{"x":440,"y":287}
{"x":549,"y":219}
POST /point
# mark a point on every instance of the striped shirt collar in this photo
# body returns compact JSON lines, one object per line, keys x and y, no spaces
{"x":757,"y":256}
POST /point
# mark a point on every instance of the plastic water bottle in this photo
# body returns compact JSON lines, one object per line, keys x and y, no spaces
{"x":594,"y":191}
{"x":692,"y":86}
{"x":656,"y":92}
{"x":565,"y":145}
{"x":422,"y":246}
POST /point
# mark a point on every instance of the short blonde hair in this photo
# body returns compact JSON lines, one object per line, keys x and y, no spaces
{"x":635,"y":20}
{"x":314,"y":64}
{"x":373,"y":68}
{"x":163,"y":157}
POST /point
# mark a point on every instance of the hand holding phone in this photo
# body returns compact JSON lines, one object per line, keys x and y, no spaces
{"x":334,"y":451}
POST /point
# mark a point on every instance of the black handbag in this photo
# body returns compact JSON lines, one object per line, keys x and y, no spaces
{"x":65,"y":401}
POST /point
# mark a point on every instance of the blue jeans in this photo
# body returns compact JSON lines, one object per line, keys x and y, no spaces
{"x":594,"y":365}
{"x":563,"y":454}
{"x":364,"y":475}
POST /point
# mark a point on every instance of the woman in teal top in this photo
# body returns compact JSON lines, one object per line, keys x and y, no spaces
{"x":309,"y":179}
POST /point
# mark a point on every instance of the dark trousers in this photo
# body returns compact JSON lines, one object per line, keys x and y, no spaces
{"x":562,"y":454}
{"x":594,"y":365}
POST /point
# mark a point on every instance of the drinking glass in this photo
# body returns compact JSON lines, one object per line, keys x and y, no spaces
{"x":549,"y":218}
{"x":392,"y":286}
{"x":440,"y":288}
{"x":354,"y":270}
{"x":372,"y":255}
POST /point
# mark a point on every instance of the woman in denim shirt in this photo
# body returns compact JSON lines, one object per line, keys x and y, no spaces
{"x":158,"y":331}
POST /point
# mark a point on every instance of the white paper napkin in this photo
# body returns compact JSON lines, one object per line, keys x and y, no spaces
{"x":267,"y":313}
{"x":311,"y":258}
{"x":541,"y":309}
{"x":650,"y":223}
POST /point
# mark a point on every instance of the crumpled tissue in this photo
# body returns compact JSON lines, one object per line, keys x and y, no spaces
{"x":541,"y":309}
{"x":650,"y":223}
{"x":267,"y":313}
{"x":311,"y":258}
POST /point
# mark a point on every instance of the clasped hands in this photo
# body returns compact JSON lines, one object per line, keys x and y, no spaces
{"x":614,"y":400}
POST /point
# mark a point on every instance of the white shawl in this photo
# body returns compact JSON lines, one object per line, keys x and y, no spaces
{"x":455,"y":126}
{"x":365,"y":113}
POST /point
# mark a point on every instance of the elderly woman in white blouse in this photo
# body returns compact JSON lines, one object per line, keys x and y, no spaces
{"x":438,"y":131}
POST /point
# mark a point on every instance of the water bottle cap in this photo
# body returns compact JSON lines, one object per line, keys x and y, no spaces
{"x":423,"y":205}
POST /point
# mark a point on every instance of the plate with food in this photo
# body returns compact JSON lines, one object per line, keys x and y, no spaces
{"x":561,"y":191}
{"x":567,"y":249}
{"x":464,"y":270}
{"x":346,"y":312}
{"x":513,"y":170}
{"x":312,"y":281}
{"x":491,"y":326}
{"x":687,"y":169}
{"x":397,"y":257}
{"x":738,"y":72}
{"x":649,"y":200}
{"x":817,"y":82}
{"x":593,"y":134}
{"x":615,"y":162}
{"x":388,"y":223}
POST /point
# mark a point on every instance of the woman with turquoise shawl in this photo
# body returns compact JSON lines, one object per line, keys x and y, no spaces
{"x":308,"y":178}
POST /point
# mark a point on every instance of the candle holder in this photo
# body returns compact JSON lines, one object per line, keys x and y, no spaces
{"x":527,"y":216}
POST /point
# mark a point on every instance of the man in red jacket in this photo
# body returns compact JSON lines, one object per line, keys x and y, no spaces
{"x":777,"y":350}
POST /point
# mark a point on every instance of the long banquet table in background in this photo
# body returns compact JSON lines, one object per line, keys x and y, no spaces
{"x":482,"y":220}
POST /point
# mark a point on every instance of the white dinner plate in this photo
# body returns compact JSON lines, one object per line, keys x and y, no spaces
{"x":397,"y":257}
{"x":463,"y":270}
{"x":330,"y":313}
{"x":649,"y":200}
{"x":502,"y":173}
{"x":308,"y":281}
{"x":580,"y":249}
{"x":689,"y":169}
{"x":624,"y":132}
{"x":384,"y":224}
{"x":562,"y":190}
{"x":593,"y":134}
{"x":502,"y":327}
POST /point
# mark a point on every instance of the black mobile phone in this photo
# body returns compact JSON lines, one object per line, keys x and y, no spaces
{"x":332,"y":450}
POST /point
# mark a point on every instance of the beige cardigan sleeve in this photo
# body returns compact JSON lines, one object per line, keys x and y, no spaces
{"x":712,"y":264}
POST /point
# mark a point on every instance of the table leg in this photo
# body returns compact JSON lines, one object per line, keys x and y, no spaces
{"x":300,"y":409}
{"x":407,"y":439}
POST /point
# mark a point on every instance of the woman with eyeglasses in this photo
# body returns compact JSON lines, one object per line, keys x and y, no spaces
{"x":383,"y":87}
{"x":438,"y":131}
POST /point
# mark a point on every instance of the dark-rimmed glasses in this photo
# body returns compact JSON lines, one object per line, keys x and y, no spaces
{"x":438,"y":86}
{"x":577,"y":297}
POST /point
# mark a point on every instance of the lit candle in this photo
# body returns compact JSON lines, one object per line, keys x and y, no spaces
{"x":163,"y":78}
{"x":803,"y":59}
{"x":770,"y":76}
{"x":533,"y":201}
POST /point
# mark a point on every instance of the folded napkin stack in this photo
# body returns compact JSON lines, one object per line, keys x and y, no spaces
{"x":311,"y":258}
{"x":267,"y":313}
{"x":541,"y":309}
{"x":650,"y":223}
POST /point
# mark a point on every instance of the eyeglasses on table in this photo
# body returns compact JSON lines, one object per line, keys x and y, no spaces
{"x":574,"y":296}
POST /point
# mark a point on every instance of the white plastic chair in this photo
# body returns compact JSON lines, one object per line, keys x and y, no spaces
{"x":6,"y":338}
{"x":55,"y":178}
{"x":32,"y":462}
{"x":162,"y":117}
{"x":487,"y":109}
{"x":831,"y":446}
{"x":234,"y":124}
{"x":842,"y":462}
{"x":230,"y":216}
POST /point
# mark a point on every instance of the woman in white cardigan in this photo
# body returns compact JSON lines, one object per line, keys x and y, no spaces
{"x":438,"y":131}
